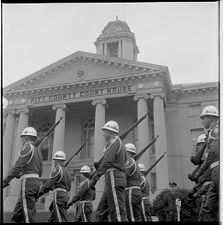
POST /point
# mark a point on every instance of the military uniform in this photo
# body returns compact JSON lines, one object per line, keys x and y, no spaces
{"x":133,"y":194}
{"x":112,"y":166}
{"x":28,"y":167}
{"x":85,"y":196}
{"x":211,"y":206}
{"x":145,"y":204}
{"x":60,"y":183}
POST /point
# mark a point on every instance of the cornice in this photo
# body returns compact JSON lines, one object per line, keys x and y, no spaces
{"x":83,"y":84}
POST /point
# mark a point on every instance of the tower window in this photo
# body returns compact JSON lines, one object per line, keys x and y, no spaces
{"x":112,"y":49}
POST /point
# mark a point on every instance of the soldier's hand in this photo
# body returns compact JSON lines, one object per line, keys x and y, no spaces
{"x":69,"y":204}
{"x":40,"y":194}
{"x":196,"y":175}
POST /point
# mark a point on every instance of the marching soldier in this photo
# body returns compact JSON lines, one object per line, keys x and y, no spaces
{"x":210,"y":119}
{"x":60,"y":183}
{"x":133,"y":194}
{"x":28,"y":167}
{"x":145,"y":204}
{"x":112,"y":166}
{"x":169,"y":200}
{"x":85,"y":196}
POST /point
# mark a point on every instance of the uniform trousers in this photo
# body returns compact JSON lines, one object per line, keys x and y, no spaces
{"x":112,"y":202}
{"x":133,"y":199}
{"x":211,"y":206}
{"x":58,"y":207}
{"x":84,"y":212}
{"x":145,"y":209}
{"x":25,"y":209}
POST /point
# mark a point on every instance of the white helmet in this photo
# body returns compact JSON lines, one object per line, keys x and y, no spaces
{"x":142,"y":167}
{"x":85,"y":169}
{"x":60,"y":155}
{"x":112,"y":126}
{"x":201,"y":138}
{"x":209,"y":111}
{"x":130,"y":147}
{"x":29,"y":131}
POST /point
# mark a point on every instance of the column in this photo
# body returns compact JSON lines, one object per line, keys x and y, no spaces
{"x":160,"y":145}
{"x":8,"y":143}
{"x":59,"y":132}
{"x":22,"y":124}
{"x":143,"y":128}
{"x":106,"y":53}
{"x":119,"y":50}
{"x":99,"y":141}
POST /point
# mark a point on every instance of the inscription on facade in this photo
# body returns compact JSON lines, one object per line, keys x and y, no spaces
{"x":82,"y":94}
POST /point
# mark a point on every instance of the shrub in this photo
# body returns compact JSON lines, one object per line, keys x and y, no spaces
{"x":187,"y":212}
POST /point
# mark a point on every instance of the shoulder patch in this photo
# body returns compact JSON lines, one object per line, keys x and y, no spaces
{"x":56,"y":172}
{"x":214,"y":134}
{"x":26,"y":150}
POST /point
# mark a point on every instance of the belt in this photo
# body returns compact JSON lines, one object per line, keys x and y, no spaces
{"x":29,"y":175}
{"x":85,"y":201}
{"x":145,"y":197}
{"x":59,"y":189}
{"x":214,"y":164}
{"x":132,"y":187}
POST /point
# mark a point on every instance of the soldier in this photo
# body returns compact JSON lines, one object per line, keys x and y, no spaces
{"x":85,"y":196}
{"x":202,"y":182}
{"x":133,"y":193}
{"x":210,"y":119}
{"x":112,"y":166}
{"x":60,"y":183}
{"x":28,"y":167}
{"x":145,"y":205}
{"x":169,"y":201}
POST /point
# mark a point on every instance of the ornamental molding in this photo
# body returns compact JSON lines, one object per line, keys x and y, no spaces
{"x":99,"y":101}
{"x":59,"y":106}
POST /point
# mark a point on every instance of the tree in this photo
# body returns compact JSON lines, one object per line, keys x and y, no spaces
{"x":188,"y":210}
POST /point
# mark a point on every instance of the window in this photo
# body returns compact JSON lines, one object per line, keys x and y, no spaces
{"x":88,"y":133}
{"x":112,"y":49}
{"x":40,"y":204}
{"x":195,"y":110}
{"x":153,"y":182}
{"x":47,"y":146}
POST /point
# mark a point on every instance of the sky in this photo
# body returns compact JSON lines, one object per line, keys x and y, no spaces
{"x":180,"y":35}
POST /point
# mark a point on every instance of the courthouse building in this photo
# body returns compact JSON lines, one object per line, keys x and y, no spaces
{"x":88,"y":89}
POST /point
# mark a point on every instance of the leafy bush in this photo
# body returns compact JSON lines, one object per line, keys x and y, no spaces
{"x":187,"y":212}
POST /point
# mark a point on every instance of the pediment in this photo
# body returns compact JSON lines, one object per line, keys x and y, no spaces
{"x":81,"y":67}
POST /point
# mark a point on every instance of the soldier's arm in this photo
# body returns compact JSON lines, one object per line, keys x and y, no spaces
{"x":83,"y":188}
{"x":55,"y":177}
{"x":25,"y":156}
{"x":130,"y":167}
{"x":197,"y":158}
{"x":109,"y":157}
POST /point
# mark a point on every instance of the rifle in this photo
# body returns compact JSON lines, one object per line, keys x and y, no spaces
{"x":38,"y":142}
{"x":75,"y":154}
{"x":151,"y":167}
{"x":96,"y":164}
{"x":138,"y":155}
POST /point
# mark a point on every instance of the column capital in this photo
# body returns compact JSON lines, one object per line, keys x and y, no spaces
{"x":9,"y":111}
{"x":59,"y":106}
{"x":22,"y":110}
{"x":158,"y":94}
{"x":141,"y":95}
{"x":99,"y":101}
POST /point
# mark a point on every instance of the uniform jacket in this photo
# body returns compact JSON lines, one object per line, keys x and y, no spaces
{"x":85,"y":192}
{"x":29,"y":161}
{"x":114,"y":156}
{"x":59,"y":178}
{"x":133,"y":175}
{"x":212,"y":150}
{"x":144,"y":186}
